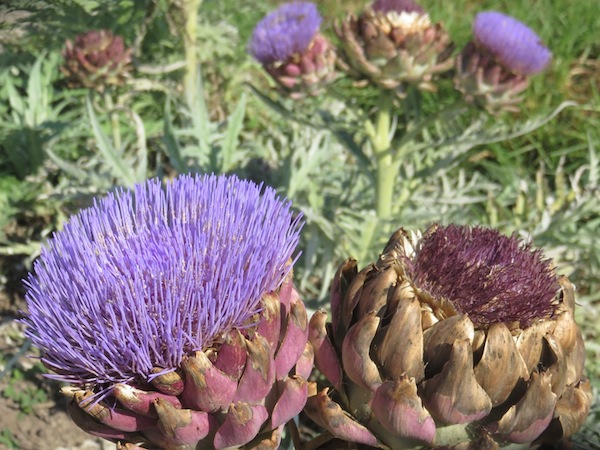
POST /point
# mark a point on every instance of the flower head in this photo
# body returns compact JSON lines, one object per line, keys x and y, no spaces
{"x":284,"y":32}
{"x":460,"y":337}
{"x":393,"y":43}
{"x":145,"y":277}
{"x":288,"y":44}
{"x":512,"y":43}
{"x":494,"y":68}
{"x":96,"y":59}
{"x":485,"y":274}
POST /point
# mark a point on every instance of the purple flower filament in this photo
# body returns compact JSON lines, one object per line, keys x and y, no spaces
{"x":143,"y":278}
{"x":284,"y":32}
{"x":513,"y":44}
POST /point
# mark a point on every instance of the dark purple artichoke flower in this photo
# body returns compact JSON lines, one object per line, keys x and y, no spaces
{"x":393,"y":43}
{"x":288,"y":44}
{"x":96,"y":59}
{"x":172,"y":311}
{"x":485,"y":274}
{"x":461,"y":338}
{"x":494,"y":68}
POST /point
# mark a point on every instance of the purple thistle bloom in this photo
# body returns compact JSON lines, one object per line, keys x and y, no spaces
{"x":386,"y":6}
{"x":485,"y":274}
{"x":145,"y":277}
{"x":512,"y":43}
{"x":286,"y":31}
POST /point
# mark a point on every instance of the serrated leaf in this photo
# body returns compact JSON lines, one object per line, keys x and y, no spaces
{"x":172,"y":147}
{"x":112,"y":157}
{"x":234,"y":128}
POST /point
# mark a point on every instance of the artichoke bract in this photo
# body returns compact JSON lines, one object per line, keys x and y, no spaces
{"x":494,"y":68}
{"x":96,"y":59}
{"x":288,"y":44}
{"x":393,"y":43}
{"x":172,"y":313}
{"x":461,"y":338}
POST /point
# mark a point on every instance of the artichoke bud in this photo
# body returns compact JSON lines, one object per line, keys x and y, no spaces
{"x":393,"y":43}
{"x":96,"y":59}
{"x":494,"y":68}
{"x":460,"y":337}
{"x":288,"y":44}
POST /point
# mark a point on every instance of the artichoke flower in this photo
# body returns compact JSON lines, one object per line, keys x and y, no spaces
{"x":462,"y":338}
{"x":172,"y":314}
{"x":290,"y":48}
{"x":96,"y":59}
{"x":494,"y":68}
{"x":393,"y":43}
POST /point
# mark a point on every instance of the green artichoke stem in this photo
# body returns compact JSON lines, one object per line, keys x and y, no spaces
{"x":384,"y":161}
{"x":190,"y":12}
{"x":113,"y":115}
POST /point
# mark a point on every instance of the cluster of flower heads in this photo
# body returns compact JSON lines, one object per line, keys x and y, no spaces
{"x":144,"y":278}
{"x":174,"y":308}
{"x":392,"y":44}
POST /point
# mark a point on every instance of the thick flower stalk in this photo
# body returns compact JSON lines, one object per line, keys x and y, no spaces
{"x":462,"y":338}
{"x":172,"y":312}
{"x":392,"y":43}
{"x":96,"y":59}
{"x":288,"y":44}
{"x":494,"y":68}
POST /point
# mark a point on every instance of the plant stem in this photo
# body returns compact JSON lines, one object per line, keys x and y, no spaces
{"x":114,"y":120}
{"x":190,"y":79}
{"x":384,"y":162}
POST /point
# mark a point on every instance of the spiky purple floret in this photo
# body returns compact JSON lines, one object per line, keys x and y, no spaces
{"x":143,"y":278}
{"x":386,"y":6}
{"x":513,"y":44}
{"x":286,"y":31}
{"x":491,"y":277}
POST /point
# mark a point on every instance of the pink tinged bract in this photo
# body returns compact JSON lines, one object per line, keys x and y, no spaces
{"x":141,"y":402}
{"x":241,"y":425}
{"x":259,"y":375}
{"x":400,"y":411}
{"x":340,"y":424}
{"x":294,"y":391}
{"x":294,"y":339}
{"x":232,"y":355}
{"x":326,"y":358}
{"x":182,"y":426}
{"x":206,"y":388}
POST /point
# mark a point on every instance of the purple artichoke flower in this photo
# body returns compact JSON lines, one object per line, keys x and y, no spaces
{"x":288,"y":44}
{"x":484,"y":274}
{"x":493,"y":69}
{"x":285,"y":31}
{"x":176,"y":301}
{"x":513,"y":44}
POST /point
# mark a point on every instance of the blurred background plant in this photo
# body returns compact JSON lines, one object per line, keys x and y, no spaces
{"x":185,"y":105}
